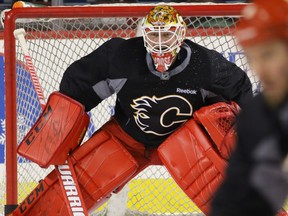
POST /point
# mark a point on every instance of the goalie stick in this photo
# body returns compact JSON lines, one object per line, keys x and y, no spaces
{"x":62,"y":170}
{"x":20,"y":36}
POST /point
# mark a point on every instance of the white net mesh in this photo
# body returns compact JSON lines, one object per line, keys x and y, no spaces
{"x":53,"y":45}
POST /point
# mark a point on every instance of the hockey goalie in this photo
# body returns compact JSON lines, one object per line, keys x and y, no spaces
{"x":176,"y":105}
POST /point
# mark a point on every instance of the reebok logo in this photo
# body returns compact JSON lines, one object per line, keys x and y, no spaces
{"x":186,"y":91}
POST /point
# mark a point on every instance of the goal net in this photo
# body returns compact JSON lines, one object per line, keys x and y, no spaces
{"x":56,"y":37}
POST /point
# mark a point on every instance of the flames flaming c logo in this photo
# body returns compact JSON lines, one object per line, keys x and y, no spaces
{"x":161,"y":116}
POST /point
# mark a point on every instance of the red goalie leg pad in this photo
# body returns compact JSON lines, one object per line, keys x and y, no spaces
{"x":105,"y":168}
{"x":58,"y":130}
{"x":193,"y":163}
{"x":45,"y":194}
{"x":101,"y":165}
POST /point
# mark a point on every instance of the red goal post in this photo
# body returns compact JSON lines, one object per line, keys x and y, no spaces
{"x":47,"y":28}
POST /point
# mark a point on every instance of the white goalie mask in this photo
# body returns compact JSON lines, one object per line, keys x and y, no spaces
{"x":163,"y":32}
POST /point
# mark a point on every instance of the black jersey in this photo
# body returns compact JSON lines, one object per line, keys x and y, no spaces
{"x":151,"y":105}
{"x":256,"y":182}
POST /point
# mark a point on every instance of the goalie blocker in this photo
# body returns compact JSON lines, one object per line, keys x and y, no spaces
{"x":58,"y":130}
{"x":195,"y":160}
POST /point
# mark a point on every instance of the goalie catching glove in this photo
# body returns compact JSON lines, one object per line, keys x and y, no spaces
{"x":218,"y":121}
{"x":58,"y":130}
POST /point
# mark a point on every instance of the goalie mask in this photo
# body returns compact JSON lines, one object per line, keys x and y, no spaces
{"x":163,"y":32}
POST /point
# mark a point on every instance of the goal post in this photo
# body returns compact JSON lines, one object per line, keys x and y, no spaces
{"x":57,"y":36}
